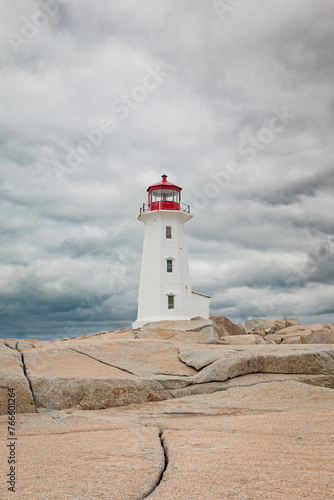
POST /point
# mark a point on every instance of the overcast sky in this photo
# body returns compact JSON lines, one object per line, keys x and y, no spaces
{"x":232,"y":100}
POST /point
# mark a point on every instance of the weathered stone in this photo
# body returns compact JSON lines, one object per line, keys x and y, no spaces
{"x":225,"y":327}
{"x":262,"y":333}
{"x":96,"y":373}
{"x":291,"y":340}
{"x":94,"y":393}
{"x":66,"y":363}
{"x":252,"y":325}
{"x":201,"y":337}
{"x":274,"y":338}
{"x":199,"y":358}
{"x":103,"y":463}
{"x":14,"y":343}
{"x":284,"y":323}
{"x":270,"y":331}
{"x":12,"y":376}
{"x":104,"y":397}
{"x":243,"y":339}
{"x":123,"y":334}
{"x":255,"y":434}
{"x":250,"y":380}
{"x":221,"y":365}
{"x":140,"y":357}
{"x":194,"y":325}
{"x":292,"y":321}
{"x":308,"y":334}
{"x":62,"y":378}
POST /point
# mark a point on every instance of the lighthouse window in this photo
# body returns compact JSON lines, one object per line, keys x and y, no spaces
{"x":176,"y":197}
{"x":170,"y":301}
{"x":169,"y":266}
{"x":168,"y":232}
{"x":156,"y":195}
{"x":167,"y":195}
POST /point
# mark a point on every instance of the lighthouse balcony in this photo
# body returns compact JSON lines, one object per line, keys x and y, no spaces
{"x":165,"y":205}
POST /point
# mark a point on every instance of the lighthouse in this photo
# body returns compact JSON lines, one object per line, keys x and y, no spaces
{"x":165,"y":290}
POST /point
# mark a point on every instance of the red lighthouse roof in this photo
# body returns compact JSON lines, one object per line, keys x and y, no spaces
{"x":164,"y":184}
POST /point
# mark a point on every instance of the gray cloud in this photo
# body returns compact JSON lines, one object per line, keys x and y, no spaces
{"x":261,"y":242}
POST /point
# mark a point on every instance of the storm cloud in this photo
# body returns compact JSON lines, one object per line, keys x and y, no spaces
{"x":233,"y":101}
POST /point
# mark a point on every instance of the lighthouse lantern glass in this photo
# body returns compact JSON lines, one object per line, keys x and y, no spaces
{"x":167,"y":195}
{"x":156,"y":195}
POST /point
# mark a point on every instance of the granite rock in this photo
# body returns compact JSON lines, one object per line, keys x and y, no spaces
{"x":225,"y":327}
{"x":243,"y":339}
{"x":308,"y":334}
{"x":195,"y":325}
{"x":271,"y":440}
{"x":12,"y":376}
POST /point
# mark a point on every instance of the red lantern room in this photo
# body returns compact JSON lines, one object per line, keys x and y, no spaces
{"x":164,"y":196}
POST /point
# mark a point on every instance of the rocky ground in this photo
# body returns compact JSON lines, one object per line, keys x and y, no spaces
{"x":196,"y":409}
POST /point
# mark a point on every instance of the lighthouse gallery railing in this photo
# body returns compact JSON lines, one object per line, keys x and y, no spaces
{"x":147,"y":208}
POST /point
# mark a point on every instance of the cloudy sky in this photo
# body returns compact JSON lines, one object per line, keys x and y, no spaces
{"x":232,"y":100}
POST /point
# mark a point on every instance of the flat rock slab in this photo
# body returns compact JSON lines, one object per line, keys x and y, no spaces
{"x":262,"y":398}
{"x":102,"y":374}
{"x":67,"y":363}
{"x":61,"y":378}
{"x":117,"y":464}
{"x":98,"y":375}
{"x":268,"y":441}
{"x":211,"y":465}
{"x":140,"y":357}
{"x":180,"y":413}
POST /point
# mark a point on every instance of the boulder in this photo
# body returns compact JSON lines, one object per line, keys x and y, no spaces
{"x":274,"y":338}
{"x":252,"y":325}
{"x":269,"y":327}
{"x":225,"y":327}
{"x":285,"y":322}
{"x":308,"y":334}
{"x":262,"y":333}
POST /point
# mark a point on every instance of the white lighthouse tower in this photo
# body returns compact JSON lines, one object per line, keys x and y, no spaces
{"x":165,"y":290}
